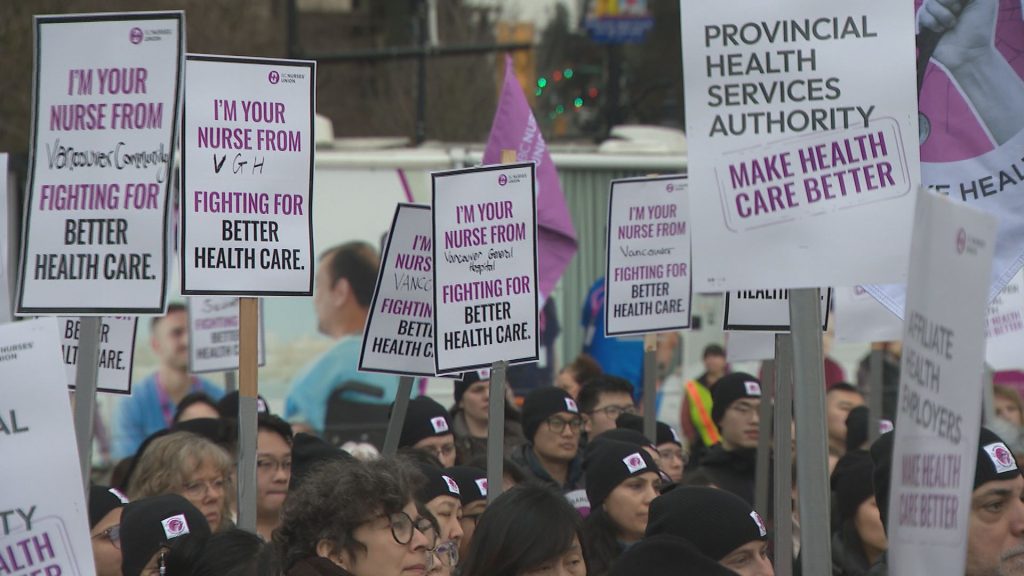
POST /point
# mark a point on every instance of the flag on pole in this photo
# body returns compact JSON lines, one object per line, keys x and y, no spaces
{"x":515,"y":128}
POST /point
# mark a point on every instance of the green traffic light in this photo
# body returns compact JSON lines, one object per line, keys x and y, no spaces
{"x":542,"y":82}
{"x":578,"y":102}
{"x":568,"y":73}
{"x":538,"y":91}
{"x":559,"y":109}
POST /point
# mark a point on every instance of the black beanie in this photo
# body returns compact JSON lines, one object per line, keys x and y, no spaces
{"x":425,"y":418}
{"x":472,"y":483}
{"x":541,"y":404}
{"x":666,"y":555}
{"x":731,"y":388}
{"x":468,"y":379}
{"x":611,"y":463}
{"x":228,"y":405}
{"x":715,"y":521}
{"x":664,"y":435}
{"x":103,"y":499}
{"x":149,"y":523}
{"x":851,"y":481}
{"x":857,"y":427}
{"x":995,"y":461}
{"x":438,"y":483}
{"x":307,"y":452}
{"x":624,"y":435}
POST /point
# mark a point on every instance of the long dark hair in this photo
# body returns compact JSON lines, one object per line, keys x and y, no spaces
{"x":600,"y":537}
{"x":522,"y":529}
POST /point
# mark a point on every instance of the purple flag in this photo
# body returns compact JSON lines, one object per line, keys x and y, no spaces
{"x":515,"y":128}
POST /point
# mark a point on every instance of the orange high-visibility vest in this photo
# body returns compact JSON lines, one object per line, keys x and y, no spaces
{"x":700,"y":413}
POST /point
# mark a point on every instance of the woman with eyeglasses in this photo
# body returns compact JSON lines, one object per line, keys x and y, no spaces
{"x":355,"y":519}
{"x":192,"y":466}
{"x":622,"y":481}
{"x":105,"y":507}
{"x":530,"y":530}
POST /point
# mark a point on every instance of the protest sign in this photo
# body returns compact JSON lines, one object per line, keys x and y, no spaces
{"x":247,"y":177}
{"x":399,"y":335}
{"x":117,"y":352}
{"x":648,"y":256}
{"x":805,"y":158}
{"x":485,"y":266}
{"x":765,"y":310}
{"x":861,"y":318}
{"x":106,"y":95}
{"x":45,"y":528}
{"x":971,"y":120}
{"x":938,"y":418}
{"x":1004,"y":326}
{"x":213,"y":342}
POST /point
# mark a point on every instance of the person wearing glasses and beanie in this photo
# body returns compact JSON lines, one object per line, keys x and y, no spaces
{"x":469,"y":417}
{"x":622,"y":482}
{"x":428,"y":428}
{"x":730,"y":464}
{"x":552,"y":425}
{"x":355,"y":519}
{"x":151,"y":527}
{"x":105,"y":507}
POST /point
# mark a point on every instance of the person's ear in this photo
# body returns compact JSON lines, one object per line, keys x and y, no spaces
{"x":340,"y":292}
{"x":325,"y":549}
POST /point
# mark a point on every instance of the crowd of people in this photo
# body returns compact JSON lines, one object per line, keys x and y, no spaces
{"x":584,"y":491}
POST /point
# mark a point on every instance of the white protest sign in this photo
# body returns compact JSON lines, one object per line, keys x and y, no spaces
{"x":765,"y":310}
{"x":647,"y":284}
{"x":107,"y":89}
{"x":5,"y":194}
{"x":116,"y":356}
{"x":939,"y":415}
{"x":46,"y":523}
{"x":213,"y":323}
{"x":1004,"y":327}
{"x":861,"y":318}
{"x":247,"y":177}
{"x":805,"y":158}
{"x":399,"y":335}
{"x":485,"y":266}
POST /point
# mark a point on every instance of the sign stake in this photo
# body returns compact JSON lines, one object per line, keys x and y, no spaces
{"x":650,"y":391}
{"x":248,"y":389}
{"x":397,"y":420}
{"x":876,"y":373}
{"x":783,"y":425}
{"x":496,"y":431}
{"x":763,"y":470}
{"x":809,"y":403}
{"x":86,"y":375}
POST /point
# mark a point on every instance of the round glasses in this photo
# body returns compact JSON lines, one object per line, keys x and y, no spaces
{"x":447,"y":554}
{"x":402,"y":527}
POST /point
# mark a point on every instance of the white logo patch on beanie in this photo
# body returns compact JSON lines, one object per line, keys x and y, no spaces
{"x":570,"y":405}
{"x":634,"y":462}
{"x":675,"y":435}
{"x":1001,"y":457}
{"x":453,"y":486}
{"x":761,"y":528}
{"x":753,"y":388}
{"x":175,"y":526}
{"x":440,"y":424}
{"x":481,"y":485}
{"x":884,"y":426}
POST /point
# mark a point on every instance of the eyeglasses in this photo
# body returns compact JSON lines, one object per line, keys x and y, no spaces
{"x":113,"y":534}
{"x":200,"y":488}
{"x":441,"y":451}
{"x":613,"y":412}
{"x":674,"y":454}
{"x":402,"y":529}
{"x":447,"y":553}
{"x":272,"y":465}
{"x":557,"y":425}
